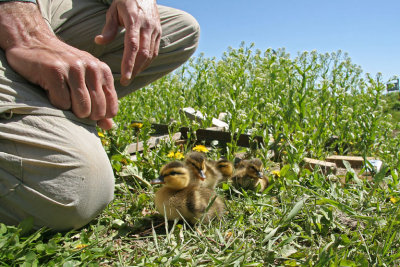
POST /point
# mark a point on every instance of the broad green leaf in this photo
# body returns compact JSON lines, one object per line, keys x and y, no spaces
{"x":296,"y":209}
{"x":347,"y":263}
{"x":270,"y":234}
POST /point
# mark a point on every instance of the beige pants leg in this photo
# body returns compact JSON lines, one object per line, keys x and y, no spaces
{"x":52,"y":165}
{"x":52,"y":169}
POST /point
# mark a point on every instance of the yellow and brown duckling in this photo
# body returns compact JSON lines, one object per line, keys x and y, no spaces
{"x":202,"y":171}
{"x":225,"y":167}
{"x":178,"y":199}
{"x":249,"y":175}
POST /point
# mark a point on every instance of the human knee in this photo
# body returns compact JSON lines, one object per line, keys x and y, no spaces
{"x":192,"y":26}
{"x":192,"y":29}
{"x":85,"y":197}
{"x":180,"y":30}
{"x":96,"y":191}
{"x":86,"y":186}
{"x":62,"y":182}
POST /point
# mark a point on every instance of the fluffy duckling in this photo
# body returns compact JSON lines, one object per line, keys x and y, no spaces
{"x":202,"y":172}
{"x":225,"y":167}
{"x":177,"y":198}
{"x":249,"y":175}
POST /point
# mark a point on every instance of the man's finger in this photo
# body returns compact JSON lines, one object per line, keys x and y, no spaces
{"x":131,"y":48}
{"x":94,"y":84}
{"x":59,"y":98}
{"x":80,"y":97}
{"x":145,"y":53}
{"x":105,"y":124}
{"x":57,"y":88}
{"x":109,"y":92}
{"x":110,"y":28}
{"x":156,"y":44}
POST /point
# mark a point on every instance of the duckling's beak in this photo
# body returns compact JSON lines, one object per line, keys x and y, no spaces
{"x":202,"y":175}
{"x":259,"y":174}
{"x":159,"y":180}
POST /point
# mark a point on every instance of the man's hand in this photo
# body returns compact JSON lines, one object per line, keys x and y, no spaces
{"x":73,"y":79}
{"x":141,"y":21}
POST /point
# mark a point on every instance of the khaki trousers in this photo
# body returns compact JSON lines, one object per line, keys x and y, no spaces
{"x":53,"y":167}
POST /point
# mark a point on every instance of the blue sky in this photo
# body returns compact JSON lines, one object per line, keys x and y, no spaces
{"x":369,"y":31}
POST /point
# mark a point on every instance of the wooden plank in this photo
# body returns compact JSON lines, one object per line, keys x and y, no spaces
{"x":325,"y":166}
{"x":152,"y":142}
{"x":356,"y":162}
{"x":209,"y":135}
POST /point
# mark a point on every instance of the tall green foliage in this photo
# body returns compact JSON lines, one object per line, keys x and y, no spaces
{"x":303,"y":101}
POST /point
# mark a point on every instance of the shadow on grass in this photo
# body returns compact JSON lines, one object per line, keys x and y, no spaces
{"x":145,"y":226}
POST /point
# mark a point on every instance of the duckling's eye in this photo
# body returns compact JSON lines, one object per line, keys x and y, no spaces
{"x":196,"y":167}
{"x":173,"y":173}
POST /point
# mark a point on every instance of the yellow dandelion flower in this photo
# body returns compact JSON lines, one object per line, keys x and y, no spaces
{"x":276,"y":173}
{"x":100,"y":134}
{"x":200,"y":148}
{"x":137,"y":125}
{"x":177,"y":155}
{"x":171,"y":154}
{"x":81,"y":246}
{"x":393,"y":200}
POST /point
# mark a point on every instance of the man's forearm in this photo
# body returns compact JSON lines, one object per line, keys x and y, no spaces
{"x":21,"y":24}
{"x":74,"y":79}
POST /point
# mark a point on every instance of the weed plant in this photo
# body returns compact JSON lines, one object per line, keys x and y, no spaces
{"x":310,"y":105}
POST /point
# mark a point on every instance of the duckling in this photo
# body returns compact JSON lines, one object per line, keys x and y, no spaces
{"x":202,"y":172}
{"x":225,"y":167}
{"x":177,"y":198}
{"x":249,"y":175}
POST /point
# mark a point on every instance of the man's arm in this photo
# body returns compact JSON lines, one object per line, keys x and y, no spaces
{"x":73,"y":79}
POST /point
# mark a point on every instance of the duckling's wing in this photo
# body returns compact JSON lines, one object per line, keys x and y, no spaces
{"x":215,"y":206}
{"x":196,"y":202}
{"x":168,"y":203}
{"x":264,"y":183}
{"x":203,"y":203}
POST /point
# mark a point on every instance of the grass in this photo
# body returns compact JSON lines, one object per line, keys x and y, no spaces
{"x":303,"y":218}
